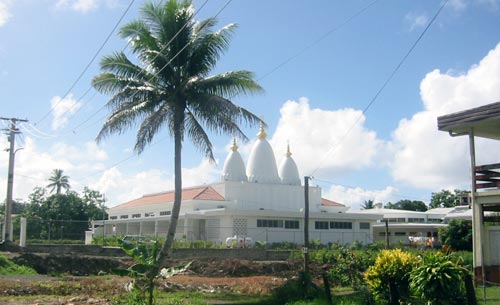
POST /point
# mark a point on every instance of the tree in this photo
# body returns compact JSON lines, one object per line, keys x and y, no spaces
{"x":447,"y":199}
{"x":58,"y":181}
{"x":369,"y":204}
{"x":170,"y":87}
{"x":62,"y":215}
{"x":457,"y":235}
{"x":408,"y":205}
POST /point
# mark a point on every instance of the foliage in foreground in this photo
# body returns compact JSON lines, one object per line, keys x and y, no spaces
{"x":143,"y":271}
{"x":438,"y":280}
{"x":389,"y":278}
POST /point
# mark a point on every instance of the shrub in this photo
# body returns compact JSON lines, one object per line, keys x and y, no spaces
{"x":457,"y":235}
{"x":293,"y":290}
{"x":388,"y":279}
{"x":8,"y":267}
{"x":438,"y":280}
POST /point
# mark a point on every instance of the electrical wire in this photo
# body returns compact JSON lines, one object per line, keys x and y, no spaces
{"x":317,"y":41}
{"x":158,"y":54}
{"x":89,"y":64}
{"x":386,"y":82}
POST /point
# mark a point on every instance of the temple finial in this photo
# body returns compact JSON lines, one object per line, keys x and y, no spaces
{"x":234,"y":147}
{"x":288,"y":153}
{"x":262,"y":133}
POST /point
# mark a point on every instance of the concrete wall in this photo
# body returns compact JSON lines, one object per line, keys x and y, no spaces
{"x":250,"y":254}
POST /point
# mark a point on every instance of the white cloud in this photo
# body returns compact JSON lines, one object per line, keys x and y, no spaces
{"x":332,"y":140}
{"x":85,"y":6}
{"x":62,"y":110}
{"x":428,"y":158}
{"x":355,"y":197}
{"x":416,"y":20}
{"x":120,"y":187}
{"x":457,"y":5}
{"x":5,"y":14}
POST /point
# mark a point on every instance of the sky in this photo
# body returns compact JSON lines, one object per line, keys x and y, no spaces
{"x":321,"y":64}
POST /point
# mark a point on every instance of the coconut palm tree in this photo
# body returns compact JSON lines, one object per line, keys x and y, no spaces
{"x":58,"y":181}
{"x":168,"y":86}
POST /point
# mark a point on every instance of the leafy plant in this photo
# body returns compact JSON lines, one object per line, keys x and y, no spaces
{"x":438,"y":280}
{"x":389,"y":279}
{"x":9,"y":267}
{"x":457,"y":235}
{"x":142,"y":272}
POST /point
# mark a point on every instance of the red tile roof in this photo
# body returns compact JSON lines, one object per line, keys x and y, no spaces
{"x":195,"y":193}
{"x":326,"y":202}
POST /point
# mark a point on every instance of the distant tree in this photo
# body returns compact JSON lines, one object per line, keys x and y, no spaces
{"x":18,"y":206}
{"x":94,"y":203}
{"x":58,"y":181}
{"x":457,"y":235}
{"x":62,"y":215}
{"x":408,"y":205}
{"x":446,"y":199}
{"x":369,"y":204}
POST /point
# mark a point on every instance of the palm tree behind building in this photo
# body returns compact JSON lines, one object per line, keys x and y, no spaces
{"x":58,"y":181}
{"x":168,"y":86}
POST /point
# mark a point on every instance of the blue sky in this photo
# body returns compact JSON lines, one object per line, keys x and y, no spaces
{"x":319,"y":66}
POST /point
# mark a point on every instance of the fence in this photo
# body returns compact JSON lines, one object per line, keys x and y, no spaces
{"x":73,"y":231}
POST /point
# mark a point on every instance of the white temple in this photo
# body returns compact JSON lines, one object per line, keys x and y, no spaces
{"x":260,"y":201}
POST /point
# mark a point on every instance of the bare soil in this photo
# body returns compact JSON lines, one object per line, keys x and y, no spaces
{"x":207,"y":276}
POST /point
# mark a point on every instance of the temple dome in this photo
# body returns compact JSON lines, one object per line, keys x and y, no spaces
{"x":261,"y":166}
{"x":288,"y":170}
{"x":234,"y":167}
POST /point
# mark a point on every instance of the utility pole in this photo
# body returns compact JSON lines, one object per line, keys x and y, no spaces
{"x":12,"y":131}
{"x":305,"y":250}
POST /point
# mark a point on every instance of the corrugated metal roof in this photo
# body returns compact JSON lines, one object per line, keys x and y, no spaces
{"x":195,"y":193}
{"x":485,"y":121}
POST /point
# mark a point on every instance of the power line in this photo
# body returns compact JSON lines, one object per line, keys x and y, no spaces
{"x":88,"y":65}
{"x":321,"y":38}
{"x":386,"y":82}
{"x":158,"y":54}
{"x":398,"y":195}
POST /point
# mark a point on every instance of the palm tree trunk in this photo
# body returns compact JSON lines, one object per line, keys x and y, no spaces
{"x":166,"y":250}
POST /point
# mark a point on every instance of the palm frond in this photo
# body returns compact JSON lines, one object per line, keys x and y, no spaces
{"x":198,"y":136}
{"x":208,"y":47}
{"x":151,"y":125}
{"x":229,"y":84}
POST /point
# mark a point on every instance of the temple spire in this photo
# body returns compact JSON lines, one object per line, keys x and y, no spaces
{"x":288,"y":153}
{"x":234,"y":147}
{"x":262,"y":133}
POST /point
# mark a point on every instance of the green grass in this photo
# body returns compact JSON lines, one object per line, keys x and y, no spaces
{"x":492,"y":295}
{"x":8,"y":267}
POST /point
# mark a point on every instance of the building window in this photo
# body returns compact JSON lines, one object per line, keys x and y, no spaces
{"x":346,"y":225}
{"x":364,"y":226}
{"x":399,"y":233}
{"x":136,"y":215}
{"x":150,"y":214}
{"x":434,"y":220}
{"x":113,"y":217}
{"x":165,"y":213}
{"x":321,"y":225}
{"x":291,"y":224}
{"x":123,"y":216}
{"x":416,"y":220}
{"x":269,"y":223}
{"x":383,"y":233}
{"x":396,"y":219}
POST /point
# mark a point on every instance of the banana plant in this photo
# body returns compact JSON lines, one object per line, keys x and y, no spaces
{"x":142,"y":272}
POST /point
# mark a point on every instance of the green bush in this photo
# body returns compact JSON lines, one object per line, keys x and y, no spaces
{"x":438,"y":280}
{"x":389,"y":279}
{"x":8,"y":267}
{"x":457,"y":235}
